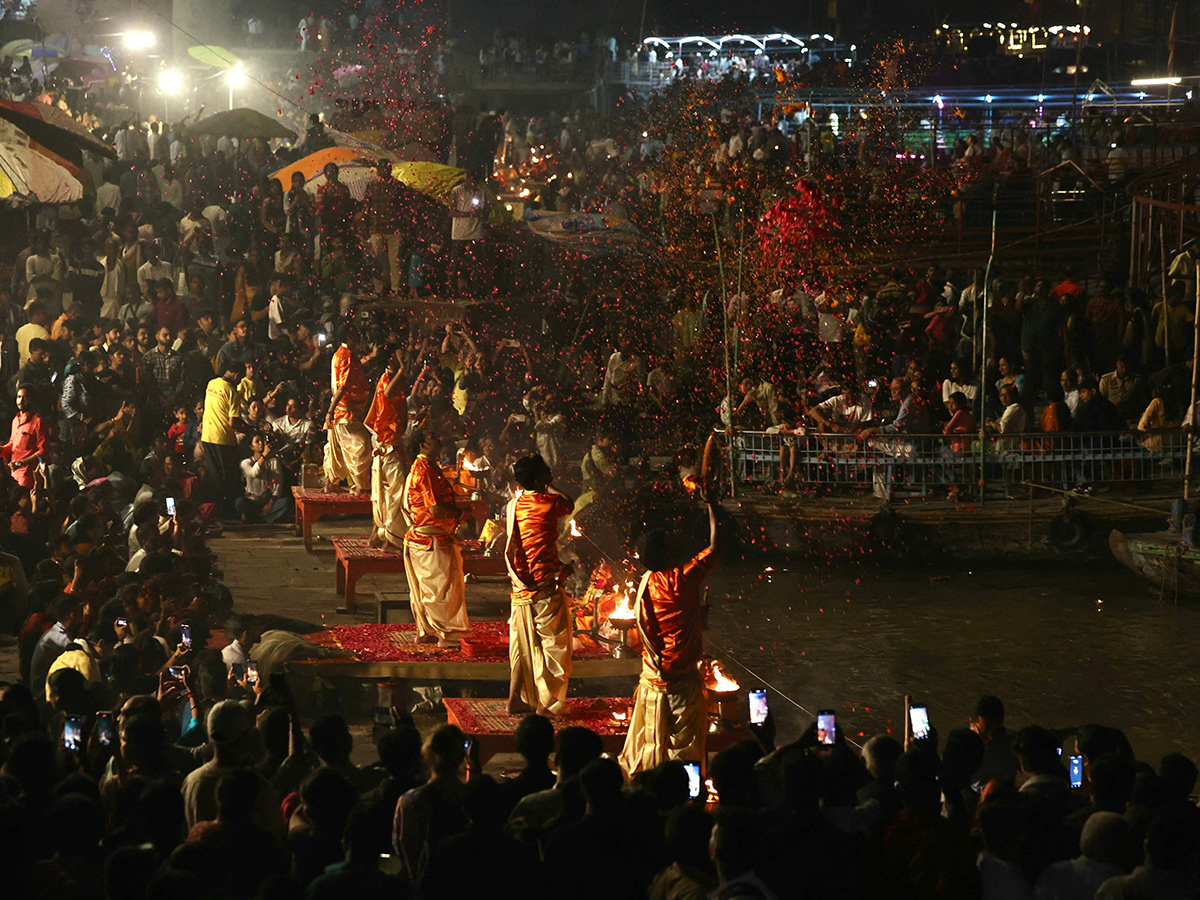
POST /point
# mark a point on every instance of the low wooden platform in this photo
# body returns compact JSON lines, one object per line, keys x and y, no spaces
{"x":355,"y":558}
{"x":493,"y":729}
{"x":390,"y":652}
{"x":312,"y":505}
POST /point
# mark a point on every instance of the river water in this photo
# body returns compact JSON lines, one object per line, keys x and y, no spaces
{"x":1061,"y":643}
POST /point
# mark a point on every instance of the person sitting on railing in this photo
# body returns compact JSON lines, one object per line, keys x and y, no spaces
{"x":1013,"y":421}
{"x":1096,"y":412}
{"x":845,"y":412}
{"x":911,"y":418}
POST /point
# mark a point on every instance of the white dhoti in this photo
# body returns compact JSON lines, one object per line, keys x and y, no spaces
{"x":388,"y":474}
{"x":539,"y":653}
{"x":436,"y":585}
{"x":348,"y":455}
{"x":669,"y":721}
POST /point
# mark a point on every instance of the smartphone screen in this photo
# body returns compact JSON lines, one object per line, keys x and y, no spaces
{"x":918,"y":719}
{"x":170,"y":506}
{"x":121,"y":622}
{"x":185,"y":634}
{"x":104,"y":729}
{"x":252,"y":672}
{"x":176,"y":672}
{"x":1076,"y":771}
{"x":758,"y":707}
{"x":73,"y":734}
{"x":826,"y":726}
{"x":693,"y":773}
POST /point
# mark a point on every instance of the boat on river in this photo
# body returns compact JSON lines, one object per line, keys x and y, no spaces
{"x":1161,"y":558}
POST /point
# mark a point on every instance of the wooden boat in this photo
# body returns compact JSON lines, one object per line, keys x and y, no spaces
{"x":1161,"y":558}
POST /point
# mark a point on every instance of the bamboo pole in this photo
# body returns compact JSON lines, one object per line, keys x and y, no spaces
{"x":728,"y":378}
{"x":987,"y":287}
{"x":1187,"y":466}
{"x":1166,"y":319}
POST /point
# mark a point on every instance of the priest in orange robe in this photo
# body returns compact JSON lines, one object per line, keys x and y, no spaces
{"x":670,"y":716}
{"x":432,"y":550}
{"x":387,"y":419}
{"x":539,"y":626}
{"x":348,"y":450}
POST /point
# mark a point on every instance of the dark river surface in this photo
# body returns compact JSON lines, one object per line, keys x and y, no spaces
{"x":1061,"y":643}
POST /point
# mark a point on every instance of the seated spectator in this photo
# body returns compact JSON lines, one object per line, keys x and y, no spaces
{"x":264,"y":492}
{"x":1167,"y":872}
{"x":366,"y":842}
{"x":535,"y":743}
{"x":1095,"y":413}
{"x":1107,"y":848}
{"x":1122,"y":387}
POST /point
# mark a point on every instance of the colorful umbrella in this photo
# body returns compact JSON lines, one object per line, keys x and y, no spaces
{"x":310,"y":165}
{"x":54,"y":129}
{"x":217,"y":57}
{"x":242,"y":123}
{"x":357,"y":176}
{"x":31,"y":48}
{"x":430,"y":178}
{"x":34,"y":176}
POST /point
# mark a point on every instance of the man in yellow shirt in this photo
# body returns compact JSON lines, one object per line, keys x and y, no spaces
{"x":83,"y":656}
{"x":225,"y":399}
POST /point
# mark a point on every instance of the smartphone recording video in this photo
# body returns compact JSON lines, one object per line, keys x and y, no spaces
{"x":918,"y":720}
{"x":73,"y":734}
{"x":758,"y":707}
{"x":185,"y":636}
{"x":104,"y":729}
{"x":1076,"y":769}
{"x":826,"y":727}
{"x":694,"y":783}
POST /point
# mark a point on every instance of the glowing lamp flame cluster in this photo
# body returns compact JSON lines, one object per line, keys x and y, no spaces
{"x":624,"y":611}
{"x":719,"y":682}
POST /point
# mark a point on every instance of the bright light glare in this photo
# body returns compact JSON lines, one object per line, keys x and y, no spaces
{"x":1167,"y":79}
{"x":169,"y":82}
{"x":236,"y":76}
{"x":139,"y":40}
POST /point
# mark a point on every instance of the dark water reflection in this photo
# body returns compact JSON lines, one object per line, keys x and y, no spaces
{"x":1061,"y":643}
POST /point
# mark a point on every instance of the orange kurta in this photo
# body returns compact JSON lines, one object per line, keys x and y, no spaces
{"x":428,"y":487}
{"x":533,"y":552}
{"x":670,"y":615}
{"x":346,"y":369}
{"x":387,"y":418}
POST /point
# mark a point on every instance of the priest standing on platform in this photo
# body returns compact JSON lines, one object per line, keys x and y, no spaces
{"x":348,"y":452}
{"x":387,"y":419}
{"x":670,"y":718}
{"x":539,"y":627}
{"x":432,"y":554}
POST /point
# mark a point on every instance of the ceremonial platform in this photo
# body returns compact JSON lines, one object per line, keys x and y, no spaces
{"x":494,"y":729}
{"x":356,"y":558}
{"x":386,"y":652}
{"x":313,"y":504}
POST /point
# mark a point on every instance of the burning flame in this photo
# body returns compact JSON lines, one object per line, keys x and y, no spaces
{"x":720,"y":682}
{"x":574,"y":529}
{"x":619,"y":716}
{"x":624,"y":611}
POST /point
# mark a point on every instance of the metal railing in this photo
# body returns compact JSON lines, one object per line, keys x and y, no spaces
{"x":930,"y":464}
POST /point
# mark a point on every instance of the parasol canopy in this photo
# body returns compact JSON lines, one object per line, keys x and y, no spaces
{"x":431,"y":179}
{"x":312,"y":164}
{"x":243,"y":123}
{"x":54,"y":130}
{"x":356,"y":176}
{"x":217,"y":57}
{"x":31,"y":175}
{"x":31,"y":48}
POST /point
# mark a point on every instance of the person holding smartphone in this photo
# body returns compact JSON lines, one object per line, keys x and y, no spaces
{"x":669,"y":719}
{"x":539,"y":626}
{"x":387,"y":419}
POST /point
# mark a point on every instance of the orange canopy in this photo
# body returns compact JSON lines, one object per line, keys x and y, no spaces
{"x":315,"y":162}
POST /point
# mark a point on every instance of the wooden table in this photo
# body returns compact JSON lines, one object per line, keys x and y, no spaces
{"x":488,"y":722}
{"x":356,"y":558}
{"x":312,"y":505}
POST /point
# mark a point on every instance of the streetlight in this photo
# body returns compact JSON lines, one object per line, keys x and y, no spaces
{"x":236,"y":78}
{"x":169,"y":84}
{"x":139,"y":40}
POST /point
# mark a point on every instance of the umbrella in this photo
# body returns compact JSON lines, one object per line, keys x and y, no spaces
{"x":356,"y":176}
{"x":217,"y":57}
{"x":32,"y":49}
{"x":32,"y":175}
{"x":242,"y":123}
{"x":54,"y":130}
{"x":313,"y":163}
{"x":430,"y":178}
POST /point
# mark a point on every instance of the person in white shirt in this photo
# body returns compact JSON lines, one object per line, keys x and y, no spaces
{"x":845,"y":412}
{"x":277,"y":309}
{"x":244,"y":632}
{"x":43,"y":267}
{"x":1013,"y":421}
{"x":468,"y":207}
{"x":263,"y":491}
{"x":959,"y":381}
{"x":623,"y":377}
{"x":154,"y":268}
{"x":172,"y":188}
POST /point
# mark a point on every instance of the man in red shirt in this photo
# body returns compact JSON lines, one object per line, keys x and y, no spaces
{"x":432,"y":555}
{"x":669,"y":719}
{"x":387,"y":419}
{"x":28,"y":441}
{"x":539,"y":627}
